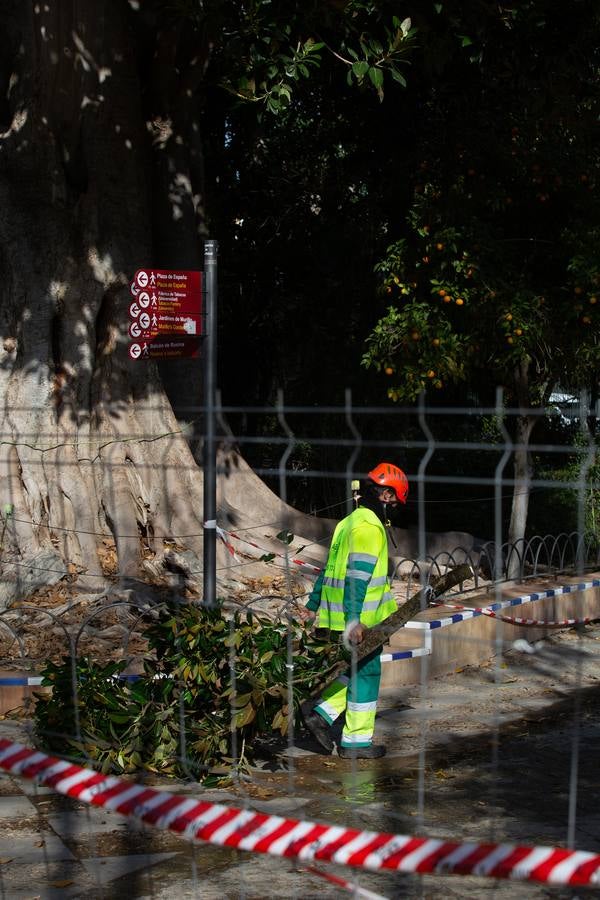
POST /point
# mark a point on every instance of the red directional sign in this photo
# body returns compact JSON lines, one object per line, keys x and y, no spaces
{"x":169,"y":292}
{"x":166,"y":313}
{"x":173,"y":348}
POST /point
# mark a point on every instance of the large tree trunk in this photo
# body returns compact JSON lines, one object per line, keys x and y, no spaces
{"x":90,"y":445}
{"x":522,"y":473}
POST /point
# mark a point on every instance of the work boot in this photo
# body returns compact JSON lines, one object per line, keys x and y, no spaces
{"x":373,"y":751}
{"x":317,"y":726}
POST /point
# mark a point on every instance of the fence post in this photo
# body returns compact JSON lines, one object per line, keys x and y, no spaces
{"x":209,"y":455}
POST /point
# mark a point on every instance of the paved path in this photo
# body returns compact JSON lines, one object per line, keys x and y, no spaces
{"x":483,"y":754}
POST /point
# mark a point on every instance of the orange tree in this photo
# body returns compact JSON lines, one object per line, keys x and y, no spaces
{"x":495,"y":271}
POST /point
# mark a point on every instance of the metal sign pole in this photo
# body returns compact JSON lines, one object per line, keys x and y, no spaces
{"x":210,"y":444}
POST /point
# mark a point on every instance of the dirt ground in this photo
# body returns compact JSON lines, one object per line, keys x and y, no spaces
{"x":505,"y":752}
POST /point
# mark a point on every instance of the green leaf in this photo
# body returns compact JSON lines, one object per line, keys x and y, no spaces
{"x":241,"y":699}
{"x":376,"y":76}
{"x":360,"y":69}
{"x":397,"y":76}
{"x":244,"y":716}
{"x":119,"y":718}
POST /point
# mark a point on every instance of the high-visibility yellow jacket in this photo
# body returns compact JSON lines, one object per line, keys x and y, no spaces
{"x":354,"y":584}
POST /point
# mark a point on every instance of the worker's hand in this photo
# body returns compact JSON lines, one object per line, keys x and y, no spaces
{"x":306,"y":615}
{"x":357,"y":634}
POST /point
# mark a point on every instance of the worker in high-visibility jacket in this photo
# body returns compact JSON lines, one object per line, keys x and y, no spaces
{"x":350,"y":595}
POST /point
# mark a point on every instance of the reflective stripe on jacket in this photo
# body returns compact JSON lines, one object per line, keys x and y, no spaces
{"x":355,"y":583}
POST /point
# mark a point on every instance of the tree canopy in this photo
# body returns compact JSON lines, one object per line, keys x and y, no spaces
{"x":438,"y":160}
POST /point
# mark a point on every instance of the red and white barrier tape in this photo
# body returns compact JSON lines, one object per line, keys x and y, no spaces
{"x":245,"y":829}
{"x":354,"y":889}
{"x":296,"y":562}
{"x":517,"y":620}
{"x":545,"y":623}
{"x":223,"y":535}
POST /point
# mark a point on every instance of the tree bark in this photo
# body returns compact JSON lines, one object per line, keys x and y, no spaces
{"x":522,"y":473}
{"x":90,"y":445}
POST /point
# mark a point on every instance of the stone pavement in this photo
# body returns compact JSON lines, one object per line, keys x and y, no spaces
{"x":482,"y":754}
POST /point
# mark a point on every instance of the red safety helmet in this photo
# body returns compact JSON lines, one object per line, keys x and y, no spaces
{"x":388,"y":475}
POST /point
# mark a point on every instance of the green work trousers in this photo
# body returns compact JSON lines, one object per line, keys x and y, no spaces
{"x":355,"y":694}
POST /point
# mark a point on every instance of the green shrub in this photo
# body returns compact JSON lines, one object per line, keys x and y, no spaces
{"x":211,"y":688}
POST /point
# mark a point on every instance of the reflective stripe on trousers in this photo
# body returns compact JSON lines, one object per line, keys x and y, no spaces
{"x":358,"y":698}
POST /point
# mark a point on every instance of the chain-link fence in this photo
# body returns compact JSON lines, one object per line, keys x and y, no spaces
{"x":110,"y":658}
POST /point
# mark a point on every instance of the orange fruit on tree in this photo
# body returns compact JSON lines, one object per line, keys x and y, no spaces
{"x":519,"y":331}
{"x":431,"y":374}
{"x":578,"y":289}
{"x":442,"y":292}
{"x":459,"y":301}
{"x":593,"y":300}
{"x":415,"y":336}
{"x":389,"y":370}
{"x":436,"y":342}
{"x":439,"y":246}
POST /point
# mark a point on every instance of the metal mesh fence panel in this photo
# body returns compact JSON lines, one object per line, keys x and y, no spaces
{"x":112,"y":661}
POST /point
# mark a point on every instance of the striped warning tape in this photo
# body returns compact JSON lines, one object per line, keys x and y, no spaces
{"x":36,"y":680}
{"x":295,"y":561}
{"x":518,"y":620}
{"x":546,"y":623}
{"x":502,"y":604}
{"x":354,"y":889}
{"x":223,"y":535}
{"x":246,"y":829}
{"x":21,"y":681}
{"x":453,"y":619}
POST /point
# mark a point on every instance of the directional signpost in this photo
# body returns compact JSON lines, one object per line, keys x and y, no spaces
{"x":166,"y":304}
{"x":168,"y":321}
